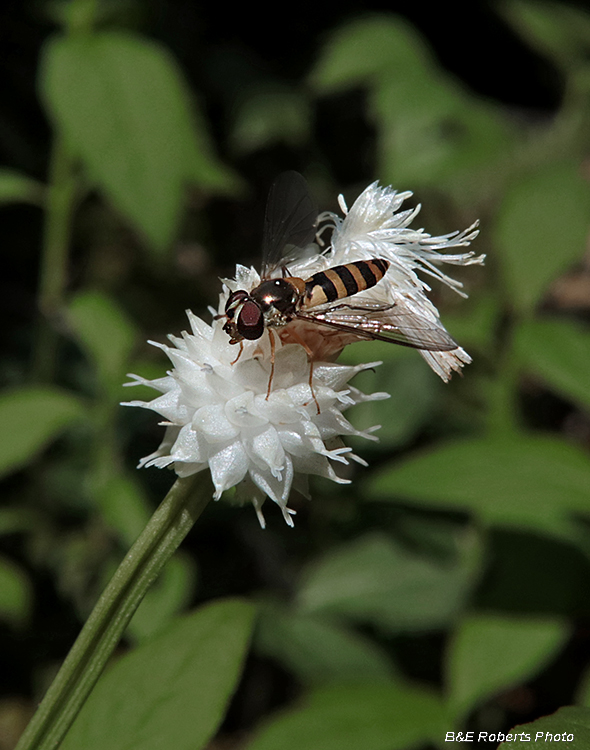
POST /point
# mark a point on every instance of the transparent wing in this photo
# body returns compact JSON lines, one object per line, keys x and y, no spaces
{"x":289,"y":223}
{"x":393,"y":323}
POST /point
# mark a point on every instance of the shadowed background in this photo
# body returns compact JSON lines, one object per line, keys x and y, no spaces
{"x":456,"y":565}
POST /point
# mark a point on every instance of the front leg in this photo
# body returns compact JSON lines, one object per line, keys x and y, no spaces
{"x":241,"y":343}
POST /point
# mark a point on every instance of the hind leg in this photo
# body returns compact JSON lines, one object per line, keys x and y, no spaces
{"x":309,"y":352}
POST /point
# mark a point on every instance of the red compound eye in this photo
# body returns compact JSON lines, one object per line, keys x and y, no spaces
{"x":250,"y":321}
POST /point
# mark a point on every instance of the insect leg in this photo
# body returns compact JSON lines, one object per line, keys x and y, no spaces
{"x":309,"y":352}
{"x":239,"y":353}
{"x":272,"y":361}
{"x":311,"y":386}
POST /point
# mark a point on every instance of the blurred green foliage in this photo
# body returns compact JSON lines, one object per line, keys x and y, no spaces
{"x":197,"y":663}
{"x":407,"y":605}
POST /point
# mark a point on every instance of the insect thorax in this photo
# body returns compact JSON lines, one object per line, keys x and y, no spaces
{"x":280,"y":295}
{"x":278,"y":299}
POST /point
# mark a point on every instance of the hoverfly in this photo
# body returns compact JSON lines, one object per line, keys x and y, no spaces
{"x":303,"y":308}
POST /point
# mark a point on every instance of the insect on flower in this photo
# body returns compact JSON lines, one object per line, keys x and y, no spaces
{"x":366,"y":284}
{"x":325,"y":299}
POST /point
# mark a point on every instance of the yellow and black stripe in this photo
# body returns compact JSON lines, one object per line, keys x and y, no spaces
{"x":343,"y":281}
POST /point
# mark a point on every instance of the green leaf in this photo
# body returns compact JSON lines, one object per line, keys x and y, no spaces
{"x":373,"y":580}
{"x":371,"y":717}
{"x":558,"y":351}
{"x":571,"y":723}
{"x":106,"y":335}
{"x":31,"y":418}
{"x":535,"y":245}
{"x":529,"y":483}
{"x":16,"y":594}
{"x":490,"y":653}
{"x":560,"y":32}
{"x":413,"y":390}
{"x":430,"y":130}
{"x":476,"y":322}
{"x":124,"y":109}
{"x":317,"y":650}
{"x":124,"y":506}
{"x":428,"y":127}
{"x":16,"y":519}
{"x":16,"y":187}
{"x":363,"y":50}
{"x":583,"y":691}
{"x":520,"y":580}
{"x":171,"y":692}
{"x":167,"y":597}
{"x":266,"y":118}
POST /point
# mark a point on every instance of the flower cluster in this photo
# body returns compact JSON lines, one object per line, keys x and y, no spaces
{"x":217,"y":411}
{"x":376,"y":228}
{"x":218,"y":416}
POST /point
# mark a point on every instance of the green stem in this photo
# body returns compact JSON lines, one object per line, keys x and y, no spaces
{"x":504,"y":416}
{"x":100,"y":635}
{"x":53,"y":274}
{"x":503,"y":409}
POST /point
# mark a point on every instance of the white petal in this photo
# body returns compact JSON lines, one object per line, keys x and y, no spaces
{"x":445,"y":363}
{"x":199,"y":328}
{"x":228,"y":467}
{"x":190,"y":446}
{"x":290,"y":364}
{"x":188,"y":469}
{"x":220,"y":380}
{"x":212,"y":423}
{"x":160,"y":384}
{"x":277,"y":489}
{"x":243,"y":412}
{"x":266,"y":451}
{"x":317,"y":465}
{"x":169,"y":406}
{"x":279,"y":408}
{"x":295,"y":443}
{"x":336,"y":376}
{"x":250,"y":374}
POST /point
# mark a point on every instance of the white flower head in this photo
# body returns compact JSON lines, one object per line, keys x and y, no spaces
{"x":264,"y":435}
{"x":217,"y":416}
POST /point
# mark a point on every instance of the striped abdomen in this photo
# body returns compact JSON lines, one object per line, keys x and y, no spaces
{"x":343,"y":281}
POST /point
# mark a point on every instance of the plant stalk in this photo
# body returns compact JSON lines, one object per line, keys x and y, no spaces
{"x":100,"y":635}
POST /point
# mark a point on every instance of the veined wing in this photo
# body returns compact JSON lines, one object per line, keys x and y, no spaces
{"x":289,"y":222}
{"x":385,"y":323}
